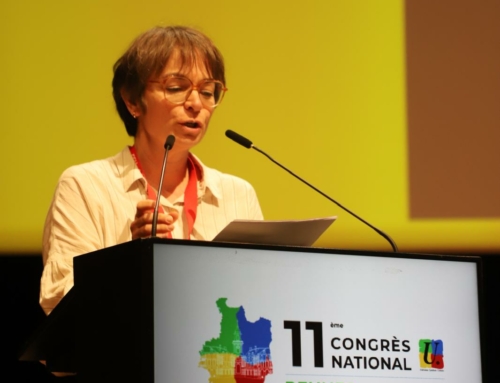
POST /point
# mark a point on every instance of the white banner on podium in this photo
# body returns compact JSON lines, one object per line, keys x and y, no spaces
{"x":244,"y":315}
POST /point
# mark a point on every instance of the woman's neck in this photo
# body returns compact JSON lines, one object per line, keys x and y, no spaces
{"x":151,"y":156}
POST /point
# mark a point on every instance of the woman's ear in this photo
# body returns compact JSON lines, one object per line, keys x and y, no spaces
{"x":133,"y":108}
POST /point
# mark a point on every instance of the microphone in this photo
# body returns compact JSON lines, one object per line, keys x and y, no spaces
{"x":239,"y":139}
{"x":169,"y":144}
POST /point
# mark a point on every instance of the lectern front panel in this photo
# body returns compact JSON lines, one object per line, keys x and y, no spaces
{"x":229,"y":314}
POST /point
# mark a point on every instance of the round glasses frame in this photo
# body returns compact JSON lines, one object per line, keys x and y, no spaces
{"x":198,"y":87}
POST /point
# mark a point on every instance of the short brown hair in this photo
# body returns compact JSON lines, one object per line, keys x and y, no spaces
{"x":148,"y":55}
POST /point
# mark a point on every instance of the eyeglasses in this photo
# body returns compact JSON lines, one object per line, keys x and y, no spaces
{"x":177,"y":90}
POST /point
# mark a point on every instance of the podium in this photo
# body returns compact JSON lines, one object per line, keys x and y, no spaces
{"x":102,"y":329}
{"x":154,"y":310}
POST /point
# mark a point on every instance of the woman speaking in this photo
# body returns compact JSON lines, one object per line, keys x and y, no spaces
{"x":168,"y":82}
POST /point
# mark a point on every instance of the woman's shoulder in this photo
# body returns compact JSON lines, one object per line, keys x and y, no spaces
{"x":99,"y":171}
{"x":98,"y":167}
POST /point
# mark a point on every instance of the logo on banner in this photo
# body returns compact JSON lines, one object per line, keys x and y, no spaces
{"x":241,"y":353}
{"x":431,"y":354}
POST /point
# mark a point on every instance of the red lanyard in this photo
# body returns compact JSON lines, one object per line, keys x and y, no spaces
{"x":190,"y":194}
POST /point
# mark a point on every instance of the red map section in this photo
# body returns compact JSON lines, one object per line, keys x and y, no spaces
{"x":251,"y":373}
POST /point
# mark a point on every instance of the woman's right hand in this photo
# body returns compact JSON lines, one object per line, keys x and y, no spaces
{"x":142,"y":225}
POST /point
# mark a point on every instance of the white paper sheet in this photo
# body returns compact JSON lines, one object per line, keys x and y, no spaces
{"x":285,"y":233}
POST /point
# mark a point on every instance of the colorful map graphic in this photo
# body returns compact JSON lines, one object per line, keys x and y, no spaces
{"x":241,"y":353}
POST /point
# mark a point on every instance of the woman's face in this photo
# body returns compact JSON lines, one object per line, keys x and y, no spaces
{"x":188,"y":121}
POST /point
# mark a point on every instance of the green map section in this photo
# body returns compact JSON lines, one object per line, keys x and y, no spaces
{"x":229,"y":337}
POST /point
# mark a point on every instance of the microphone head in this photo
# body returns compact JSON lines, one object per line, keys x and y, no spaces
{"x":239,"y":139}
{"x":169,"y":143}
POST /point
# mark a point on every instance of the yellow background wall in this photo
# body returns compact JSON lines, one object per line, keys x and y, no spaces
{"x":320,"y":85}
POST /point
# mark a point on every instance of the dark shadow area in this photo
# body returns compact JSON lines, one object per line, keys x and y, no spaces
{"x":20,"y":315}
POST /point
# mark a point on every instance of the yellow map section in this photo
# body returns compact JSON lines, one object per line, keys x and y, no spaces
{"x":219,"y":366}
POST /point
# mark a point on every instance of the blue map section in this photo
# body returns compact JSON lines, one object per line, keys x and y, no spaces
{"x":256,"y":338}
